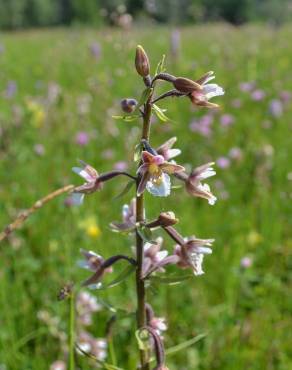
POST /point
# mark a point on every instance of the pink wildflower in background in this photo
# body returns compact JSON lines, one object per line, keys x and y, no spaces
{"x":82,"y":138}
{"x":223,"y":162}
{"x":258,"y":95}
{"x":226,"y":120}
{"x":276,"y":108}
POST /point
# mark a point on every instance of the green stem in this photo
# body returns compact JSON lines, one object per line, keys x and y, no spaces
{"x":140,"y":286}
{"x":72,"y":332}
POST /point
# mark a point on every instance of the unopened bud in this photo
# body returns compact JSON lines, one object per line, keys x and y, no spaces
{"x":128,"y":105}
{"x":142,"y":62}
{"x":165,"y":219}
{"x":185,"y":85}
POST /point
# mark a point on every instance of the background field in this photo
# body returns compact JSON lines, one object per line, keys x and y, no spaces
{"x":53,"y":87}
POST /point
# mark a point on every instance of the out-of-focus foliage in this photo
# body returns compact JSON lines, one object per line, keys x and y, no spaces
{"x":34,"y":13}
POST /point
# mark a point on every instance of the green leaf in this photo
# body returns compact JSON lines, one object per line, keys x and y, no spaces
{"x":146,"y":234}
{"x":137,"y":152}
{"x":118,"y":280}
{"x":160,"y":66}
{"x":125,"y":190}
{"x":160,"y":113}
{"x":144,"y":96}
{"x":142,"y":337}
{"x":171,"y":280}
{"x":127,"y":118}
{"x":170,"y":351}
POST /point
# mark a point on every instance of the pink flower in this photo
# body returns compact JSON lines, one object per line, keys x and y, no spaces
{"x":247,"y":86}
{"x":166,"y":149}
{"x":159,"y":325}
{"x":82,"y":138}
{"x":246,"y":262}
{"x":153,"y":256}
{"x":86,"y":304}
{"x":194,"y":185}
{"x":191,"y":253}
{"x":93,"y":262}
{"x":121,"y":166}
{"x":94,"y":346}
{"x":91,"y":176}
{"x":226,"y":120}
{"x":223,"y":162}
{"x":203,"y":125}
{"x":235,"y":153}
{"x":154,"y":174}
{"x":58,"y":365}
{"x":276,"y":108}
{"x":129,"y":218}
{"x":39,"y":149}
{"x":258,"y":95}
{"x":208,"y":91}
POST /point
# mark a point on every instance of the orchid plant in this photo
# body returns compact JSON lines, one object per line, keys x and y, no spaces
{"x":156,"y":169}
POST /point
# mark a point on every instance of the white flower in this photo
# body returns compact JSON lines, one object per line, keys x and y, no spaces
{"x":160,"y":188}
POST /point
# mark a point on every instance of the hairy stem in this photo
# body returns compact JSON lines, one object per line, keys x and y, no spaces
{"x":140,"y":285}
{"x":37,"y":205}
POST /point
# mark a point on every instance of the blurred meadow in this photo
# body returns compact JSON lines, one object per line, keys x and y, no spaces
{"x":58,"y":92}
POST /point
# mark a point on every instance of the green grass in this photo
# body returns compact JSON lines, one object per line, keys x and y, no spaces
{"x":246,"y":313}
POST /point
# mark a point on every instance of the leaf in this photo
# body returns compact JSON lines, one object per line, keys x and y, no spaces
{"x":170,"y":351}
{"x":119,"y":279}
{"x":160,"y":66}
{"x":170,"y":280}
{"x":137,"y":152}
{"x":160,"y":113}
{"x":146,"y":234}
{"x":144,"y":96}
{"x":142,"y":337}
{"x":126,"y":118}
{"x":125,"y":190}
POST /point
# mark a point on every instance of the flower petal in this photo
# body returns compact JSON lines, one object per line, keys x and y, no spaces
{"x":171,"y":167}
{"x":162,"y":189}
{"x":143,"y":183}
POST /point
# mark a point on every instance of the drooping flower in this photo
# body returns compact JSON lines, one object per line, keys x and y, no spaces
{"x":154,"y":174}
{"x":193,"y":182}
{"x":93,"y":262}
{"x":159,"y":325}
{"x":153,"y":255}
{"x":128,"y":216}
{"x":91,"y":176}
{"x":166,"y":150}
{"x":200,"y":92}
{"x":191,"y":253}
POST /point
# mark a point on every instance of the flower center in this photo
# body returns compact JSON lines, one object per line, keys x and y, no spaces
{"x":153,"y":169}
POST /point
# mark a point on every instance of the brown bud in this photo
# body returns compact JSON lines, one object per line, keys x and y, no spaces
{"x":142,"y":62}
{"x":185,"y":85}
{"x":128,"y":105}
{"x":165,"y":219}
